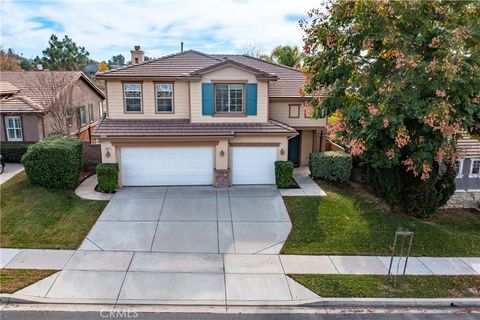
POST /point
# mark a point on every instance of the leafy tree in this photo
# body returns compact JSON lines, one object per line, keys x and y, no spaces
{"x":287,"y":55}
{"x":63,"y":54}
{"x":115,"y":61}
{"x":402,"y":79}
{"x":26,"y":64}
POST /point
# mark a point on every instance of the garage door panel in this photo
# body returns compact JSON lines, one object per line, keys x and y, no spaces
{"x":167,"y":166}
{"x":253,"y":165}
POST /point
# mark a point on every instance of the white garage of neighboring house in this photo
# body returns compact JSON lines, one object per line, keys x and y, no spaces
{"x":220,"y":161}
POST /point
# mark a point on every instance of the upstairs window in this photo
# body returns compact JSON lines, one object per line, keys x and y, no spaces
{"x":229,"y":98}
{"x":475,"y":168}
{"x":14,"y":128}
{"x":164,"y":97}
{"x":133,"y":97}
{"x":91,"y":116}
{"x":82,"y":115}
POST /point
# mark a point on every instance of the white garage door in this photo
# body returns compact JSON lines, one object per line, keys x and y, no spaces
{"x":253,"y":165}
{"x":166,"y":166}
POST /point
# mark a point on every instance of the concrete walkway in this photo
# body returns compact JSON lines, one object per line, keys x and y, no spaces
{"x":307,"y":187}
{"x":86,"y":190}
{"x":11,"y":170}
{"x":125,"y":277}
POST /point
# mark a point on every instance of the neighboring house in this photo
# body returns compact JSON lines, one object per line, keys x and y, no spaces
{"x":32,"y":105}
{"x":467,"y":193}
{"x":205,"y":119}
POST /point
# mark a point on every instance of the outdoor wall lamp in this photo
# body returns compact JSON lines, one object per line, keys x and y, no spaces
{"x":107,"y":154}
{"x":222,"y":153}
{"x":282,"y":152}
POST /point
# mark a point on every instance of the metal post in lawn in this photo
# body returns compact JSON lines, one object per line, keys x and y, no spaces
{"x":405,"y":236}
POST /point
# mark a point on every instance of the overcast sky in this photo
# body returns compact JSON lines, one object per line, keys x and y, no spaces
{"x":109,"y":27}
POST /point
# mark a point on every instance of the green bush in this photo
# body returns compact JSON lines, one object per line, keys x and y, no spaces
{"x":410,"y":195}
{"x":331,"y":165}
{"x":55,"y":162}
{"x":107,"y":176}
{"x":283,"y":174}
{"x":13,"y":152}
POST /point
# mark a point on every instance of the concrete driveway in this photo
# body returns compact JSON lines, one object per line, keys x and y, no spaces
{"x":241,"y":219}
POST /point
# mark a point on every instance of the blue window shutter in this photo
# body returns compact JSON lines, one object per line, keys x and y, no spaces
{"x":251,"y":99}
{"x":207,"y":99}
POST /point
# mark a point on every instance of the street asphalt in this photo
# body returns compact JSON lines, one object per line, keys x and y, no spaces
{"x":61,"y":315}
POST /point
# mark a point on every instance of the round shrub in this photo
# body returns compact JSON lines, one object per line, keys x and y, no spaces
{"x":331,"y":165}
{"x":283,"y":174}
{"x":107,"y":176}
{"x":55,"y":162}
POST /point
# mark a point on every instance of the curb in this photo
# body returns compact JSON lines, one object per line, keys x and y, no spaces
{"x":397,"y":302}
{"x":322,"y":303}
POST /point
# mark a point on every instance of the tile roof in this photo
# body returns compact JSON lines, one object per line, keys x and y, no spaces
{"x":7,"y":88}
{"x":183,"y":127}
{"x":189,"y":64}
{"x":31,"y":95}
{"x":468,"y":148}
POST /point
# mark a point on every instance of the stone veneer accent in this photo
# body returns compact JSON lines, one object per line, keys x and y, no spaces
{"x":463,"y":199}
{"x":222,"y":178}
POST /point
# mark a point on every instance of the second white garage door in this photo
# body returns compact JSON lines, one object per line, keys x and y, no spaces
{"x":253,"y":165}
{"x":166,"y":166}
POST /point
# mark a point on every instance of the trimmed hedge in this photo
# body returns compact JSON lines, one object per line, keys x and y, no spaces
{"x":331,"y":165}
{"x":283,"y":174}
{"x":107,"y":176}
{"x":13,"y":152}
{"x":55,"y":162}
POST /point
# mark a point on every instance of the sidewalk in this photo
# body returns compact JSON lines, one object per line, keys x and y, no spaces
{"x":261,"y":264}
{"x":11,"y":170}
{"x":307,"y":187}
{"x":120,"y":277}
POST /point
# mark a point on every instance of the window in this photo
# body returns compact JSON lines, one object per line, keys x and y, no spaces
{"x":164,"y":97}
{"x":100,"y":108}
{"x":14,"y":128}
{"x":294,"y":111}
{"x":82,"y":115}
{"x":91,"y":116}
{"x":229,"y":98}
{"x":459,"y":168}
{"x":475,"y":168}
{"x":133,"y":97}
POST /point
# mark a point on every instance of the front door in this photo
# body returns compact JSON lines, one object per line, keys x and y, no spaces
{"x":294,"y":150}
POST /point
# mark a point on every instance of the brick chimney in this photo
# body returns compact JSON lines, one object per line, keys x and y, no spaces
{"x":137,"y":55}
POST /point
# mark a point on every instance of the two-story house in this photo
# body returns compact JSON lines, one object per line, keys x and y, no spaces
{"x":192,"y":118}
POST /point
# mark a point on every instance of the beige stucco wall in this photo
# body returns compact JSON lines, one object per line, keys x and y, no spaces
{"x":116,"y":103}
{"x":229,"y":73}
{"x":306,"y":146}
{"x":221,"y":163}
{"x":280,"y":111}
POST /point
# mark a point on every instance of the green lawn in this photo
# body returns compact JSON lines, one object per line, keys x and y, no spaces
{"x":12,"y":280}
{"x":352,"y":221}
{"x":36,"y":217}
{"x":355,"y":286}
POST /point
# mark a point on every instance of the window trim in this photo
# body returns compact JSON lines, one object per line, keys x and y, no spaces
{"x":290,"y":111}
{"x":226,"y":113}
{"x":5,"y":121}
{"x":471,"y":174}
{"x":156,"y":100}
{"x":141,"y":97}
{"x":460,"y":169}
